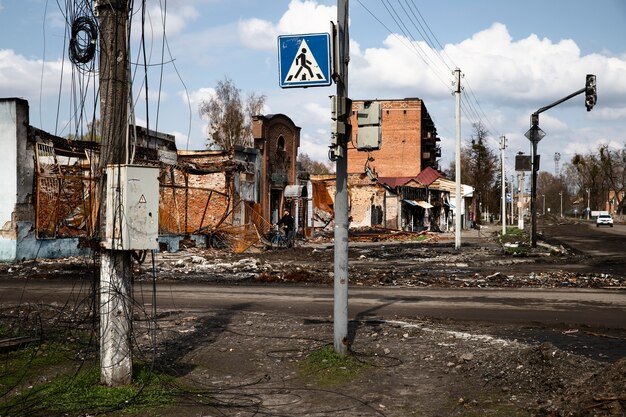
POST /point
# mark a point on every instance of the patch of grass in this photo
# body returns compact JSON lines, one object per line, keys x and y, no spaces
{"x":5,"y":331}
{"x":419,"y":238}
{"x":516,"y":250}
{"x":82,"y":393}
{"x":327,"y":368}
{"x":513,"y":234}
{"x":24,"y":363}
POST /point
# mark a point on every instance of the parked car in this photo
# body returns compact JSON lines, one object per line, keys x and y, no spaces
{"x":604,"y":220}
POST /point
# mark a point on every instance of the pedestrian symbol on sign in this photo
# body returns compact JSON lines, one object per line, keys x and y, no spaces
{"x":304,"y":61}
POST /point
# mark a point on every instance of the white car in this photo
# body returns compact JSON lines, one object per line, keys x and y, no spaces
{"x":604,"y":220}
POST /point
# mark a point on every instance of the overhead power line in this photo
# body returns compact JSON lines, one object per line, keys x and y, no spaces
{"x":410,"y":22}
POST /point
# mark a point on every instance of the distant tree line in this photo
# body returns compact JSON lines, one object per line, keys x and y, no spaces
{"x":595,"y":178}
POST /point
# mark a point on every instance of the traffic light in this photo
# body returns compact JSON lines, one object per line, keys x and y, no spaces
{"x":590,"y":92}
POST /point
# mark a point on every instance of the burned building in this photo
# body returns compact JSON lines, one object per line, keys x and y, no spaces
{"x":49,"y":207}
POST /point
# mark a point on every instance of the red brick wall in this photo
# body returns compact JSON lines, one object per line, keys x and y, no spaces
{"x":400,"y":152}
{"x":173,"y":201}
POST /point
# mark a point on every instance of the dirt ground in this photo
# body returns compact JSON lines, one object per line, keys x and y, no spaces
{"x":237,"y":363}
{"x":414,"y":367}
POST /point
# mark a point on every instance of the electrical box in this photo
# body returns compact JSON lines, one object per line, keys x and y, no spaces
{"x":369,"y":135}
{"x":132,"y":207}
{"x":368,"y":138}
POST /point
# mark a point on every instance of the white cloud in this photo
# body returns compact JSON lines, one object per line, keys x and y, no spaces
{"x":311,"y":146}
{"x":23,"y":77}
{"x":178,"y":16}
{"x":603,"y":113}
{"x":302,"y":16}
{"x":498,"y":68}
{"x":196,"y":97}
{"x":317,"y":113}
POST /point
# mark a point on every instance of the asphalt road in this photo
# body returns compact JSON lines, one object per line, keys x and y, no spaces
{"x":594,"y":308}
{"x":585,"y":237}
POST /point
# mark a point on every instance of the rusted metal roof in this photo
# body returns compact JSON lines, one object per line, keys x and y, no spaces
{"x":425,"y":178}
{"x":428,"y":175}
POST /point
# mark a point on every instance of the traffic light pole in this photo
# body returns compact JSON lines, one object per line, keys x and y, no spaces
{"x":535,"y":135}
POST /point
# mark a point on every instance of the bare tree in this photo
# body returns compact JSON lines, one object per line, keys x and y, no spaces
{"x":312,"y":167}
{"x":550,"y":189}
{"x":479,"y":168}
{"x":613,"y":167}
{"x":229,"y":119}
{"x":603,"y":173}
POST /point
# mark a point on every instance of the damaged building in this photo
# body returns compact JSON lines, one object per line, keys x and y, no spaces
{"x":397,"y":186}
{"x":49,"y":208}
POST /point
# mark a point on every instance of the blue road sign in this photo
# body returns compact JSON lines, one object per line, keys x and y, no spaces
{"x":304,"y":60}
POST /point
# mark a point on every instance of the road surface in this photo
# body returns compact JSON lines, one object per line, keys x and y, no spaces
{"x":582,"y":307}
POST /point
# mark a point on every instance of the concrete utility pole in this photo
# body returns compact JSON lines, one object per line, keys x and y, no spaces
{"x":502,"y":148}
{"x":457,"y":163}
{"x":340,"y":308}
{"x":520,"y":200}
{"x":115,"y":267}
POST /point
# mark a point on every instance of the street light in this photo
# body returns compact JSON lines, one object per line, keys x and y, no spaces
{"x":561,"y":194}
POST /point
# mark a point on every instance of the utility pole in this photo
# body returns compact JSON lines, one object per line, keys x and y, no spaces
{"x":502,"y":148}
{"x":588,"y":204}
{"x":457,"y":163}
{"x":520,"y":200}
{"x":115,"y":265}
{"x":340,"y":307}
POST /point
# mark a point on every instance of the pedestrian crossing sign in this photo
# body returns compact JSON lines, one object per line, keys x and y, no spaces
{"x":304,"y":60}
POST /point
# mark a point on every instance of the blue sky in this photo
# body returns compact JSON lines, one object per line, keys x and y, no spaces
{"x":515,"y":56}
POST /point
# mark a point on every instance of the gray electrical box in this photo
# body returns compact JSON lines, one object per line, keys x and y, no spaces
{"x":132,"y":208}
{"x":369,"y":135}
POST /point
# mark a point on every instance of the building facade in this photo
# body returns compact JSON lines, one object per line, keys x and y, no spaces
{"x":409,"y":140}
{"x":277,"y":139}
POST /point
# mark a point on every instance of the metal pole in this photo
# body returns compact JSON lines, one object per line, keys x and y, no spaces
{"x":457,"y":163}
{"x":502,"y":147}
{"x":115,"y":265}
{"x":561,"y":194}
{"x":533,"y":198}
{"x":340,"y":308}
{"x":588,"y":204}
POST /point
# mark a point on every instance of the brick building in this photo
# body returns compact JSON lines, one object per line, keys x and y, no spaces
{"x":409,"y":140}
{"x":277,"y":139}
{"x":397,"y":186}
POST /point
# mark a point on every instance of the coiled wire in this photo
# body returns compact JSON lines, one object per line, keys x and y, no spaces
{"x":83,"y":40}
